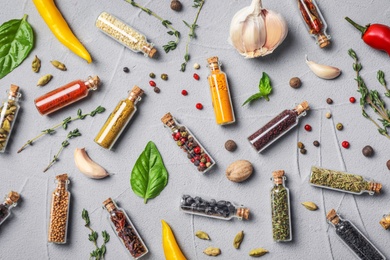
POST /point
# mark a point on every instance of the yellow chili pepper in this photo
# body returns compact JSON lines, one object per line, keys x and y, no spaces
{"x":171,"y":249}
{"x":57,"y":24}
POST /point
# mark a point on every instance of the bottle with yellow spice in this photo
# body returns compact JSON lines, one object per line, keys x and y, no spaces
{"x":118,"y":119}
{"x":220,"y":93}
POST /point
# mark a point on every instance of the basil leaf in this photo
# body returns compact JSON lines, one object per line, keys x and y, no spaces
{"x":149,"y":175}
{"x":265,"y":88}
{"x":16,"y":42}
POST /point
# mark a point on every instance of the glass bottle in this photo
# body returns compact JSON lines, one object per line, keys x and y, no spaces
{"x":352,"y":237}
{"x":212,"y":208}
{"x":118,"y":119}
{"x":280,"y":207}
{"x":125,"y":230}
{"x":385,"y":221}
{"x":220,"y":94}
{"x":59,"y":211}
{"x":342,"y":181}
{"x":314,"y":21}
{"x":277,"y":127}
{"x":198,"y":156}
{"x":125,"y":34}
{"x":10,"y":201}
{"x":65,"y":95}
{"x":9,"y":111}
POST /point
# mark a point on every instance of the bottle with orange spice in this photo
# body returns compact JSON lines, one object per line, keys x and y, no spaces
{"x":220,"y":94}
{"x":65,"y":95}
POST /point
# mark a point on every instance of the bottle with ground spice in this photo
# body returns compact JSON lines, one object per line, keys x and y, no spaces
{"x":118,"y":119}
{"x":314,"y":21}
{"x":280,"y":207}
{"x":65,"y":95}
{"x":277,"y":127}
{"x":220,"y":94}
{"x":125,"y":34}
{"x":220,"y":209}
{"x":125,"y":230}
{"x":9,"y":112}
{"x":342,"y":181}
{"x":11,"y":200}
{"x":353,"y":238}
{"x":190,"y":145}
{"x":59,"y":211}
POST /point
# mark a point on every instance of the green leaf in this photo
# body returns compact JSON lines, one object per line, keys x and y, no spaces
{"x":85,"y":216}
{"x":170,"y":32}
{"x":265,"y":86}
{"x":187,"y":24}
{"x":102,"y":250}
{"x":16,"y":42}
{"x":253,"y":97}
{"x":106,"y":237}
{"x":149,"y":175}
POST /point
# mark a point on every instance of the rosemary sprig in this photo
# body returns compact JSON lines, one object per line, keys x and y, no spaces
{"x":72,"y":134}
{"x":64,"y":125}
{"x":191,"y":35}
{"x":372,"y":98}
{"x":99,"y":252}
{"x":171,"y":45}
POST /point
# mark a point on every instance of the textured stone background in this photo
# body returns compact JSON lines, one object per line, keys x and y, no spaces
{"x":24,"y":235}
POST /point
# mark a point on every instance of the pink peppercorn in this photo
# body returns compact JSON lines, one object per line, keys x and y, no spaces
{"x":152,"y":83}
{"x":308,"y":128}
{"x":352,"y":99}
{"x":345,"y":144}
{"x":196,"y":76}
{"x":199,"y":106}
{"x":184,"y":92}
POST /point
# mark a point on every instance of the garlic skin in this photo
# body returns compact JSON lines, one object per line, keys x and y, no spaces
{"x":88,"y":167}
{"x":255,"y":31}
{"x":323,"y":71}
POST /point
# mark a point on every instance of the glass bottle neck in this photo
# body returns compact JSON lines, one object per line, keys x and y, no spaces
{"x":215,"y":67}
{"x":134,"y":98}
{"x":92,"y":83}
{"x":14,"y":96}
{"x":172,"y":125}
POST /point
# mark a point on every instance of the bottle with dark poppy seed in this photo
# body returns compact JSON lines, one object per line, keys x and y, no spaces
{"x":5,"y":208}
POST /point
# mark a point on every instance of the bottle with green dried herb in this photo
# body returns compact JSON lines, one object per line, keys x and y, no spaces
{"x":10,"y":201}
{"x":342,"y":181}
{"x":118,"y":119}
{"x":280,"y":206}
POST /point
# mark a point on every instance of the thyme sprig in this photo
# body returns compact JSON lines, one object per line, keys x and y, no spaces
{"x":72,"y":134}
{"x":371,"y":98}
{"x":171,"y":45}
{"x":64,"y":125}
{"x":99,"y":252}
{"x":191,"y":35}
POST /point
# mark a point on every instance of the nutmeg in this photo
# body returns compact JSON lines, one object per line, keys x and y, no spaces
{"x":239,"y":171}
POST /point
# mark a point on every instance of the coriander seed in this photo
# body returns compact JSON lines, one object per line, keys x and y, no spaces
{"x":328,"y":115}
{"x":301,"y":145}
{"x":164,"y":76}
{"x":339,"y":126}
{"x":196,"y":66}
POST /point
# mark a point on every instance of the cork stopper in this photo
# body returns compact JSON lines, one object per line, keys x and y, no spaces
{"x":152,"y":53}
{"x":136,"y":92}
{"x":13,"y":196}
{"x":323,"y":40}
{"x":62,"y":177}
{"x":213,"y":59}
{"x":166,"y":118}
{"x":243,"y":213}
{"x":93,"y":82}
{"x":14,"y":90}
{"x":376,"y":187}
{"x":333,"y":217}
{"x":385,"y":222}
{"x":109,"y":204}
{"x":278,"y":176}
{"x":304,"y":106}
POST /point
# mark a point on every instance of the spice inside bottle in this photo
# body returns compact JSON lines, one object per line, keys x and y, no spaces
{"x":119,"y":119}
{"x":10,"y":201}
{"x":353,"y":238}
{"x":9,"y":112}
{"x":125,"y":230}
{"x":342,"y":181}
{"x":65,"y":95}
{"x":220,"y":94}
{"x":190,"y":145}
{"x":212,"y":208}
{"x":277,"y":127}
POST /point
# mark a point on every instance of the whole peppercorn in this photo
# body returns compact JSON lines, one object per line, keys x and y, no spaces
{"x":388,"y":164}
{"x":339,"y":126}
{"x":328,"y":115}
{"x":345,"y":144}
{"x":152,"y":75}
{"x":329,"y":101}
{"x":301,"y":145}
{"x":352,"y":99}
{"x":164,"y":76}
{"x":196,"y":76}
{"x":295,"y":82}
{"x":156,"y":89}
{"x":303,"y":151}
{"x":126,"y":69}
{"x":230,"y":145}
{"x":316,"y":143}
{"x":152,"y":83}
{"x":196,"y":66}
{"x":176,"y":5}
{"x":199,"y":106}
{"x":184,"y":92}
{"x":368,"y":151}
{"x":307,"y":127}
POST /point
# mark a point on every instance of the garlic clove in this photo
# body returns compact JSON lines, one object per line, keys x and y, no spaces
{"x":253,"y":33}
{"x":88,"y":167}
{"x":277,"y":29}
{"x":323,"y":71}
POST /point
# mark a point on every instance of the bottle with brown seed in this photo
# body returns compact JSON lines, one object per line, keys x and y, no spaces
{"x":5,"y":208}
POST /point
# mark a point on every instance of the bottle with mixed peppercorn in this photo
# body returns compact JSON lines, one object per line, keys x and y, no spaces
{"x":125,"y":230}
{"x":10,"y":201}
{"x":190,"y":145}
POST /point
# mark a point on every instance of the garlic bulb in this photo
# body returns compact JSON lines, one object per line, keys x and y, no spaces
{"x":255,"y":31}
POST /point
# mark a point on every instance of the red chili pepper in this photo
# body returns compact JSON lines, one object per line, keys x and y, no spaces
{"x":375,"y":35}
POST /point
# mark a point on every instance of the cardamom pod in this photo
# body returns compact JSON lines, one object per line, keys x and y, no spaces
{"x":6,"y":125}
{"x":258,"y":252}
{"x":212,"y":251}
{"x":2,"y":140}
{"x":238,"y":239}
{"x":58,"y":65}
{"x":36,"y":64}
{"x":10,"y":118}
{"x":202,"y":235}
{"x":310,"y":205}
{"x":44,"y":80}
{"x":2,"y":131}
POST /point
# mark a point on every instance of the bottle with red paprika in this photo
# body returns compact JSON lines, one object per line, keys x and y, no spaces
{"x":65,"y":95}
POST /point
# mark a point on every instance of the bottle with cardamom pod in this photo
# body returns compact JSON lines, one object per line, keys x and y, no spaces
{"x":9,"y":112}
{"x":343,"y":181}
{"x":65,"y":95}
{"x":59,"y":211}
{"x":206,"y":207}
{"x":119,"y":119}
{"x":11,"y":200}
{"x":186,"y":141}
{"x":353,"y":238}
{"x":280,"y":208}
{"x":277,"y":127}
{"x":125,"y":230}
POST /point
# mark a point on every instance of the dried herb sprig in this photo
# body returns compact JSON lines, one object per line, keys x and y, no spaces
{"x":64,"y":125}
{"x":171,"y":45}
{"x":372,"y":98}
{"x":99,"y":252}
{"x":72,"y":134}
{"x":191,"y":35}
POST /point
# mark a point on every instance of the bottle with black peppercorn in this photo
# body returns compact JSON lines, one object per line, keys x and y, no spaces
{"x":6,"y":207}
